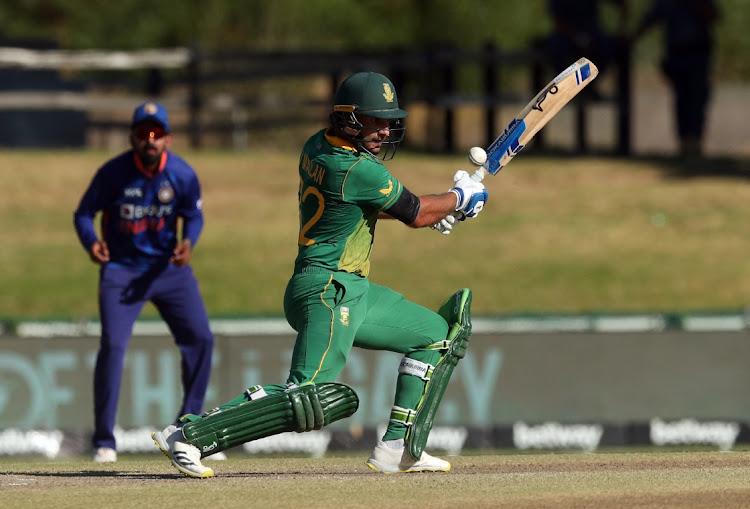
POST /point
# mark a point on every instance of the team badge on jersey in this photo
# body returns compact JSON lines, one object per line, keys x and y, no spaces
{"x":344,"y":316}
{"x":387,"y":190}
{"x":166,"y":193}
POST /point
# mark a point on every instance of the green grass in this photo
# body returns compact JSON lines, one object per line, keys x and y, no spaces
{"x":684,"y":479}
{"x":558,"y":235}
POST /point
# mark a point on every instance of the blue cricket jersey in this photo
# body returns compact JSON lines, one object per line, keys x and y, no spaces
{"x":139,"y":211}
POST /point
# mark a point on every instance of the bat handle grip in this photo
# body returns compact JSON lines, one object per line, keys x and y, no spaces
{"x":479,"y":174}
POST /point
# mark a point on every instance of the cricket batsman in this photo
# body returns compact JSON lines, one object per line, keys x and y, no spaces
{"x":344,"y":189}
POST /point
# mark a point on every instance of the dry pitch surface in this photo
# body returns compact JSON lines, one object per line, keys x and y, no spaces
{"x":619,"y":479}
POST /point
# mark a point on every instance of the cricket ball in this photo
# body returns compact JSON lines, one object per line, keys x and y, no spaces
{"x":477,"y":156}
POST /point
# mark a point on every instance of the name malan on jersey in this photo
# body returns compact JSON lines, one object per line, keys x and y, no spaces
{"x":315,"y":171}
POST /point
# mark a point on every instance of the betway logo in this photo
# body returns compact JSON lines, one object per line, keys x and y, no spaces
{"x":447,"y":438}
{"x":17,"y":441}
{"x":450,"y":439}
{"x":690,"y":431}
{"x":553,"y":435}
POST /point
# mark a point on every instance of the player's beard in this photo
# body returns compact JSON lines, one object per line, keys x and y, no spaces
{"x":149,"y":158}
{"x":372,"y":147}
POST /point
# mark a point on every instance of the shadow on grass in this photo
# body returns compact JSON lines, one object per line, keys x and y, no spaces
{"x":95,"y":473}
{"x":230,"y":473}
{"x":700,"y":167}
{"x":677,"y":167}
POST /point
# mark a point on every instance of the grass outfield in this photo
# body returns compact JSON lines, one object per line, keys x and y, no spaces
{"x":684,"y":479}
{"x":558,"y":235}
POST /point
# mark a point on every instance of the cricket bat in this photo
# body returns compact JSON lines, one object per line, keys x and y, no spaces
{"x":534,"y":116}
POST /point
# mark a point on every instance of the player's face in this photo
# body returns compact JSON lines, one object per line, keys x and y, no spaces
{"x":149,"y":140}
{"x":373,"y":132}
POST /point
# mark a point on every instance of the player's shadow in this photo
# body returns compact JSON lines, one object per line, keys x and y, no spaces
{"x":143,"y":476}
{"x":688,"y":167}
{"x":700,"y":167}
{"x":95,"y":473}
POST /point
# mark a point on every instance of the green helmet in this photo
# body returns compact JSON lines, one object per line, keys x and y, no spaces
{"x":372,"y":94}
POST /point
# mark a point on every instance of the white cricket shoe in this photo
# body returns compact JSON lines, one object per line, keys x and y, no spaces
{"x":104,"y":455}
{"x":390,"y":461}
{"x":185,"y":457}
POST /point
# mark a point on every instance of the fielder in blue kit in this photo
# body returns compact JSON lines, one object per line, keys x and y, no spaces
{"x":141,"y":194}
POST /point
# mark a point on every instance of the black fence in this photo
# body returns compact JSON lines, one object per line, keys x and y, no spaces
{"x":238,"y":92}
{"x":429,"y":77}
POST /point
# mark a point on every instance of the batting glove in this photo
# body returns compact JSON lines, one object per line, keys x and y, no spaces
{"x":471,"y":195}
{"x":446,"y":225}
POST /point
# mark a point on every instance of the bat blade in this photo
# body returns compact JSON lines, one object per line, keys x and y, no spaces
{"x":543,"y":107}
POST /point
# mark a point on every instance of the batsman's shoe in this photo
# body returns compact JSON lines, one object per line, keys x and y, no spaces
{"x":185,"y":457}
{"x":104,"y":455}
{"x":391,"y":461}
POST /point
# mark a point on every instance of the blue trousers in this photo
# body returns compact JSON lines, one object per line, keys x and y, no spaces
{"x":122,"y":295}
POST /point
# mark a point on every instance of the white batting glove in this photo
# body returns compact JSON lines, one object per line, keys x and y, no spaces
{"x":446,"y":225}
{"x":471,"y":195}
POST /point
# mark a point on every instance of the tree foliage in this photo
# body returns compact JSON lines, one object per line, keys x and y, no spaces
{"x":326,"y":24}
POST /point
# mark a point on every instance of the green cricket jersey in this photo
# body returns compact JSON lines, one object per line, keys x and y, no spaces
{"x":341,"y":192}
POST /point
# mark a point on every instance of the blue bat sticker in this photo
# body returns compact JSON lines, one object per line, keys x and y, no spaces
{"x":583,"y":74}
{"x":506,"y":143}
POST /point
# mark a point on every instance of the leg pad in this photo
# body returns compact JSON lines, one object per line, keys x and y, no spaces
{"x":300,"y":409}
{"x":457,"y":312}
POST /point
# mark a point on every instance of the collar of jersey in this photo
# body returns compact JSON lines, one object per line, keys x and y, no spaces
{"x":339,"y":142}
{"x":142,"y":169}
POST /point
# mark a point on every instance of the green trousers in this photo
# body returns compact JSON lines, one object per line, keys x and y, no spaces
{"x":335,"y":311}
